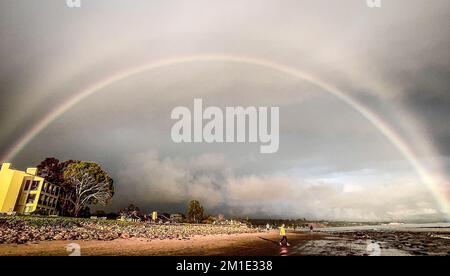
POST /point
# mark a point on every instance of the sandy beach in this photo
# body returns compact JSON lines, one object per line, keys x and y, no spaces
{"x":33,"y":236}
{"x":251,"y":244}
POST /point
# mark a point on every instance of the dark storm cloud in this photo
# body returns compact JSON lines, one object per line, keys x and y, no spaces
{"x":429,"y":96}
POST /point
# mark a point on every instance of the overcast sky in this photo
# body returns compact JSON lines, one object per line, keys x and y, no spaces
{"x":332,"y":163}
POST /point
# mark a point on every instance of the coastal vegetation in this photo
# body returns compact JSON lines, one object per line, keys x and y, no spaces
{"x":82,"y":184}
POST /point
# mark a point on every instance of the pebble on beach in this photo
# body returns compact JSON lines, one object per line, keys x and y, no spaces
{"x":19,"y":230}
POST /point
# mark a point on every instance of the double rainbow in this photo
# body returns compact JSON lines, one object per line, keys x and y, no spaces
{"x":384,"y":128}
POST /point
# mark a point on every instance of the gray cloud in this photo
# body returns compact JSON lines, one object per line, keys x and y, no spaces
{"x":150,"y":180}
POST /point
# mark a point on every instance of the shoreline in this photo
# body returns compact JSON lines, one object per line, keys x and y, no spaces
{"x":33,"y":236}
{"x":388,"y":243}
{"x":244,"y":244}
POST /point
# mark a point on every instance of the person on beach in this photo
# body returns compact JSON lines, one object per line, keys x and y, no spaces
{"x":283,"y":235}
{"x":311,"y":229}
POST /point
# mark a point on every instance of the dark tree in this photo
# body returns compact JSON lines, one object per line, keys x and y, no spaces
{"x":195,"y":211}
{"x":85,"y":212}
{"x":82,"y":183}
{"x":53,"y":171}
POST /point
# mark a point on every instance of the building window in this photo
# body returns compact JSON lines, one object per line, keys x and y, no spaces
{"x":35,"y":185}
{"x":31,"y":198}
{"x":27,"y":185}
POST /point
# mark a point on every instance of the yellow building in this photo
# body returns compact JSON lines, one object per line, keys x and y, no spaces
{"x":25,"y":193}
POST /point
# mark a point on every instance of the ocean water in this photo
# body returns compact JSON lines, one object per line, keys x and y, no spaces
{"x":409,"y":227}
{"x":394,"y":239}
